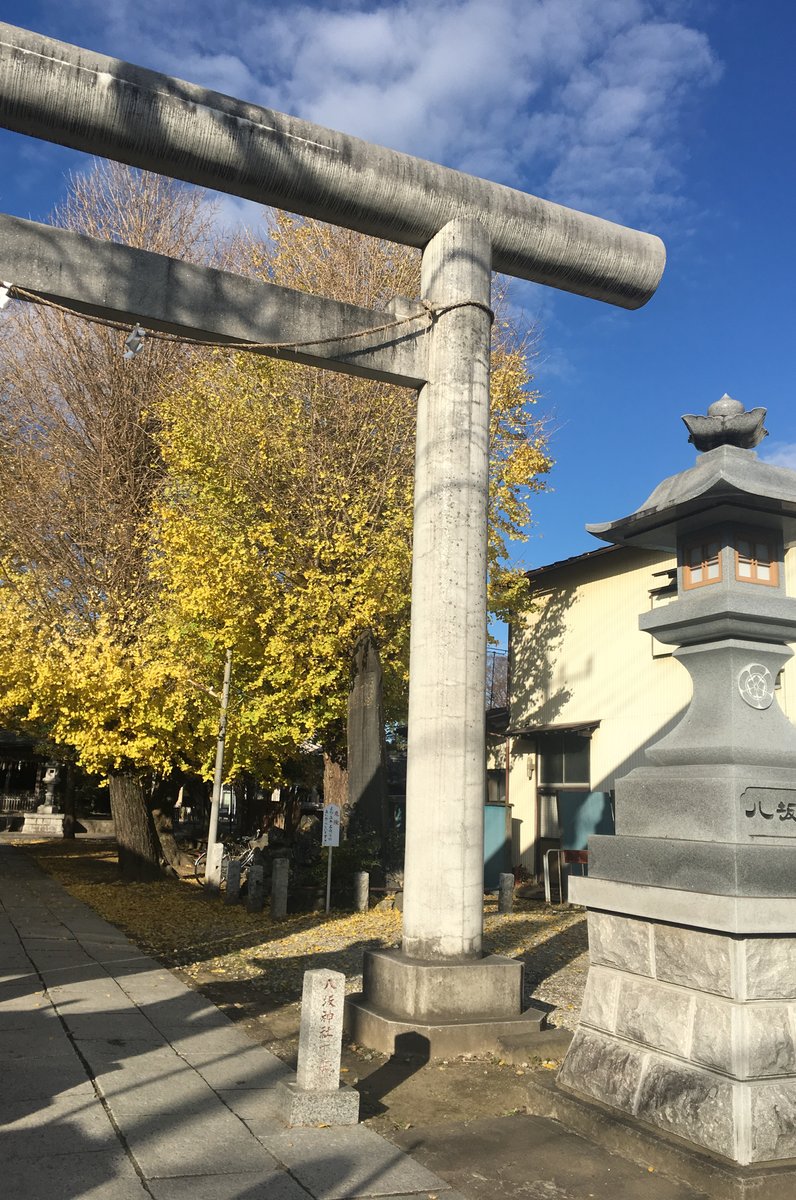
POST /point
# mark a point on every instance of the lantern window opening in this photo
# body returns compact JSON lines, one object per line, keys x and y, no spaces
{"x":756,"y":559}
{"x":701,"y":563}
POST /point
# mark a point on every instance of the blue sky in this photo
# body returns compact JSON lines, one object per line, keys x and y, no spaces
{"x":673,"y":116}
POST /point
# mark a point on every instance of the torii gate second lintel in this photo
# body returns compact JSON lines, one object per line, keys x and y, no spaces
{"x":439,"y":984}
{"x":114,"y":282}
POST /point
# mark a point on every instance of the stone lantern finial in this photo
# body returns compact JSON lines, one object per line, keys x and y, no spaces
{"x":727,"y":424}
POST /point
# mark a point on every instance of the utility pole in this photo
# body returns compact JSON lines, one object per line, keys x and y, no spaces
{"x":215,"y":849}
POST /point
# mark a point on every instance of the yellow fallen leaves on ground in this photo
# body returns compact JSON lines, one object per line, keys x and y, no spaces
{"x":183,"y":926}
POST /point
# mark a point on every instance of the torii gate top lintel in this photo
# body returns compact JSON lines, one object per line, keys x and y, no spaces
{"x":105,"y":106}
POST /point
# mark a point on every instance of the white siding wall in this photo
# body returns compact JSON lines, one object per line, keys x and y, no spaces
{"x":582,"y":658}
{"x":522,"y":797}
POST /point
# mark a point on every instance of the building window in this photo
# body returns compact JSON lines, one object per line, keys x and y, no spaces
{"x":564,"y":760}
{"x":756,"y":560}
{"x":549,"y":827}
{"x":496,"y":785}
{"x":701,"y":564}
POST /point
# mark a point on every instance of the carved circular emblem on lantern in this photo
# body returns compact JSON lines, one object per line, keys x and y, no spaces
{"x":756,"y":685}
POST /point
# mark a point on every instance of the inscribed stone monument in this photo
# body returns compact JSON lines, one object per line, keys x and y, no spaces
{"x":317,"y":1096}
{"x":367,"y":766}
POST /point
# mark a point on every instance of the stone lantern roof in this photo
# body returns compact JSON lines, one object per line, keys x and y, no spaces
{"x":728,"y":477}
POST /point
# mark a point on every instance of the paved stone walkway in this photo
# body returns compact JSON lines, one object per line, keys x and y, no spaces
{"x":119,"y":1083}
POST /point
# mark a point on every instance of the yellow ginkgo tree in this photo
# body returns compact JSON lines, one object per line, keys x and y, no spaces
{"x":286,"y":526}
{"x":81,"y":467}
{"x":163,"y":511}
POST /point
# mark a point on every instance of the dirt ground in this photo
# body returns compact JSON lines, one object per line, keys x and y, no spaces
{"x":252,"y":968}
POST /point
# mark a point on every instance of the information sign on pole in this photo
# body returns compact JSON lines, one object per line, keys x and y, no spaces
{"x":331,"y":825}
{"x":330,"y":836}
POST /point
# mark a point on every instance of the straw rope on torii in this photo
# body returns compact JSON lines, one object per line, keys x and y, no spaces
{"x":432,"y":311}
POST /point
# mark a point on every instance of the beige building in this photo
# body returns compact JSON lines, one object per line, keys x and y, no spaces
{"x":588,"y":690}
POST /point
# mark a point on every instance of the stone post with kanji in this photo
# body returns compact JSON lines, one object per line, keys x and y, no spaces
{"x":317,"y":1096}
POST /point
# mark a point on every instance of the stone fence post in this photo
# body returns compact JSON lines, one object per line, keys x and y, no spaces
{"x":361,"y":891}
{"x":506,"y":892}
{"x":280,"y":875}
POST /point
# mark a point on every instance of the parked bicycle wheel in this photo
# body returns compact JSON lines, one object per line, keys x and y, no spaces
{"x":199,"y":867}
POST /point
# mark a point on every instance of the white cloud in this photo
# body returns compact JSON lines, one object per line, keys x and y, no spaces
{"x":779,"y":454}
{"x":218,"y":72}
{"x":232,"y":212}
{"x":577,"y":100}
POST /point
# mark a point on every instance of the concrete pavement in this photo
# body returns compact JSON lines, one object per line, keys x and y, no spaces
{"x":119,"y":1083}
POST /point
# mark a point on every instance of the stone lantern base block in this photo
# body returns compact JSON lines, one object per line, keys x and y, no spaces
{"x":704,"y":1172}
{"x":691,"y":1032}
{"x":305,"y":1106}
{"x":439,"y":1008}
{"x":44,"y":823}
{"x":727,"y":868}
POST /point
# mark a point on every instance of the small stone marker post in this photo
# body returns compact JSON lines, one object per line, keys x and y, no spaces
{"x":506,"y":892}
{"x":279,"y":881}
{"x":317,"y":1097}
{"x":255,"y":888}
{"x":361,"y":891}
{"x":232,"y":894}
{"x":213,"y":863}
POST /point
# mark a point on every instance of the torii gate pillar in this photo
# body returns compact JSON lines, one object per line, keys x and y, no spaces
{"x":439,"y":986}
{"x":443,"y":881}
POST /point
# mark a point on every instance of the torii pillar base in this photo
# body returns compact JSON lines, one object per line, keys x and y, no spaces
{"x":441,"y":1009}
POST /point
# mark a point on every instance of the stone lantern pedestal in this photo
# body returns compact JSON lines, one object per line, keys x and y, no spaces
{"x":48,"y":820}
{"x":689,"y":1016}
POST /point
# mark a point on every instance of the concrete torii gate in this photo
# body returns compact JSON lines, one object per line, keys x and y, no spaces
{"x":467,"y":227}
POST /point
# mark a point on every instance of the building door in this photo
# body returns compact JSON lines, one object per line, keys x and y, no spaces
{"x":563,"y":764}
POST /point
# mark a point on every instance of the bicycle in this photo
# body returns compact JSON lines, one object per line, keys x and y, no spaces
{"x":231,"y":850}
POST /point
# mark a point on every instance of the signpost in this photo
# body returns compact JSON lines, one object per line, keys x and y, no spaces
{"x":330,"y":837}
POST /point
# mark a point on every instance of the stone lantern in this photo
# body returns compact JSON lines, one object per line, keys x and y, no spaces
{"x":689,"y":1016}
{"x":48,"y":820}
